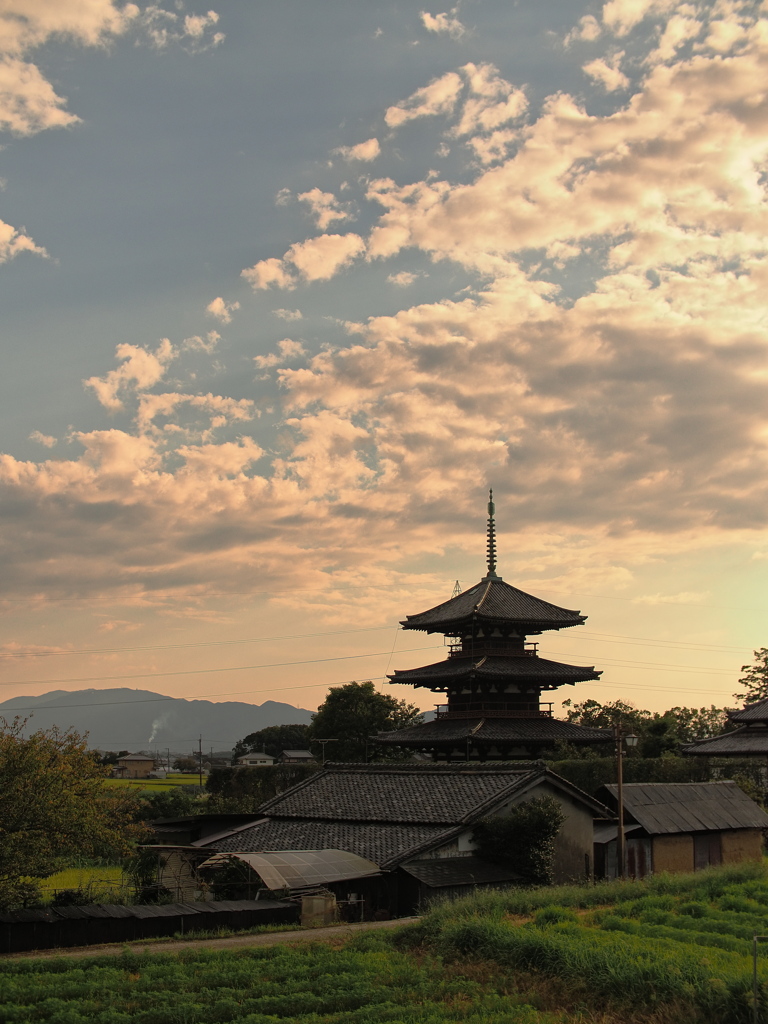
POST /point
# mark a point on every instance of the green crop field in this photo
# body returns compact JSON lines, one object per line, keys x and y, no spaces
{"x":668,"y":949}
{"x":367,"y":982}
{"x":156,"y":785}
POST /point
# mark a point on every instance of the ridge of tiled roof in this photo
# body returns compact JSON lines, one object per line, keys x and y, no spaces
{"x":411,"y":797}
{"x":492,"y":600}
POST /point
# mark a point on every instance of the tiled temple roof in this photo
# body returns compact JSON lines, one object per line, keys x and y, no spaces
{"x":494,"y":602}
{"x":451,"y":731}
{"x":520,"y":670}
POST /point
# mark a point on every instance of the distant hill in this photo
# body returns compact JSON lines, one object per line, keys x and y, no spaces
{"x":125,"y":719}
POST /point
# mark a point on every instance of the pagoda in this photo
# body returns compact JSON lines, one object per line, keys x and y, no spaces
{"x":493,"y":677}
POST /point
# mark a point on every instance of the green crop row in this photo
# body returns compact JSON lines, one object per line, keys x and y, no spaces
{"x":369,"y":983}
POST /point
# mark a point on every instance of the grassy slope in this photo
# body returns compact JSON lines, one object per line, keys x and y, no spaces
{"x":669,"y":949}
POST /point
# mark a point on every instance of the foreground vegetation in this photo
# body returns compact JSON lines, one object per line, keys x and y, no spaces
{"x":670,"y":948}
{"x":365,"y":983}
{"x":675,"y":944}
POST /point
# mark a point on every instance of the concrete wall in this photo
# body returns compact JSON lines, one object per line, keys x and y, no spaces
{"x":672,"y":853}
{"x":741,"y":845}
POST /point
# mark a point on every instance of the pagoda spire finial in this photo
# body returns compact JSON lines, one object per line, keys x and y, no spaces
{"x":491,"y":538}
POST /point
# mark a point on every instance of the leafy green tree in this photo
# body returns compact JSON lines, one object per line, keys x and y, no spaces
{"x":273,"y":740}
{"x":754,"y":679}
{"x":523,"y":839}
{"x":353,"y":713}
{"x":178,"y":802}
{"x":603,"y":716}
{"x":53,"y":803}
{"x":187,"y":765}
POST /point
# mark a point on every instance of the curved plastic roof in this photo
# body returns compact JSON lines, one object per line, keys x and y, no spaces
{"x":296,"y":869}
{"x":494,"y":602}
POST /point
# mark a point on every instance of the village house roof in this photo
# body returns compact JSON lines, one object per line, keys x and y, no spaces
{"x":494,"y":602}
{"x":666,"y":808}
{"x":136,"y":757}
{"x":385,"y":845}
{"x":388,"y":813}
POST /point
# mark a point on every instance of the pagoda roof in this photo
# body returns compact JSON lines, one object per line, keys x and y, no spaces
{"x":494,"y":602}
{"x":748,"y":741}
{"x":757,"y":712}
{"x":449,"y":732}
{"x":537,"y":671}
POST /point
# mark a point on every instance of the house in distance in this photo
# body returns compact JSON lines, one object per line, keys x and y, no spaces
{"x":493,"y":678}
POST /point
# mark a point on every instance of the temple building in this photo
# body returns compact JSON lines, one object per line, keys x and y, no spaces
{"x":493,"y":678}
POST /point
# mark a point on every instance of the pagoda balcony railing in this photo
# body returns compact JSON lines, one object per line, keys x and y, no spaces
{"x":494,"y":648}
{"x":491,"y":709}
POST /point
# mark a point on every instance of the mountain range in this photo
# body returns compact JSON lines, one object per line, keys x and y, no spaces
{"x":125,"y":719}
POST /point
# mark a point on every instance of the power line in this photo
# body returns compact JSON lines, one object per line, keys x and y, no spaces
{"x":204,"y":671}
{"x":201,"y":643}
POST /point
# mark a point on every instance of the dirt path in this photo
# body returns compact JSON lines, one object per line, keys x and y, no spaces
{"x":338,"y":931}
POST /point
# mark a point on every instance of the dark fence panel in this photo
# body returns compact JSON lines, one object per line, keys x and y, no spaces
{"x":25,"y":930}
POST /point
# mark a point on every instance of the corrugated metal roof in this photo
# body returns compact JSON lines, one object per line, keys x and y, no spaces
{"x":494,"y":601}
{"x":664,"y":808}
{"x":296,"y":869}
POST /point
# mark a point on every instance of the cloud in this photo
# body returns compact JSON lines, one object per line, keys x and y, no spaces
{"x":365,"y":151}
{"x":446,"y":23}
{"x":317,"y":259}
{"x":621,"y":16}
{"x":287,"y":349}
{"x":288,"y":314}
{"x":602,"y":363}
{"x":587,"y":30}
{"x":13,"y":242}
{"x":222,"y":310}
{"x":439,"y":97}
{"x":44,"y":439}
{"x":139,"y":369}
{"x":269,"y":272}
{"x":324,"y":206}
{"x":607,"y":73}
{"x":403,"y":279}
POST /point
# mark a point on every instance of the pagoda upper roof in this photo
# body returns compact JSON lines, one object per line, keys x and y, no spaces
{"x":537,"y":672}
{"x":494,"y":602}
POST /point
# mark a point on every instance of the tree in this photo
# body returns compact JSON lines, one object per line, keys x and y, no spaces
{"x":523,"y":839}
{"x":273,"y":740}
{"x":754,"y":679}
{"x":659,"y":734}
{"x":189,"y":765}
{"x":53,"y":802}
{"x":353,"y":713}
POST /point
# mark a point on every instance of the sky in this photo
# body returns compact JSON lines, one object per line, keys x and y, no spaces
{"x":285,"y":288}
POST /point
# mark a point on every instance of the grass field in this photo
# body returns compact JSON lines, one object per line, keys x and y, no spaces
{"x":155,"y":785}
{"x":668,"y":949}
{"x":98,"y":880}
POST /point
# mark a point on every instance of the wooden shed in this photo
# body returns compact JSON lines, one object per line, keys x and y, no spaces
{"x":683,"y":826}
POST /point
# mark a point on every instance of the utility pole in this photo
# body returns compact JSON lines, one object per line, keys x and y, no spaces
{"x":200,"y":760}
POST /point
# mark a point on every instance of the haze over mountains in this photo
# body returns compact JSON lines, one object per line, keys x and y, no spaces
{"x":126,"y":719}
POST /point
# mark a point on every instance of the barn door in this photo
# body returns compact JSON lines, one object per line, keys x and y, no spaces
{"x":706,"y":851}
